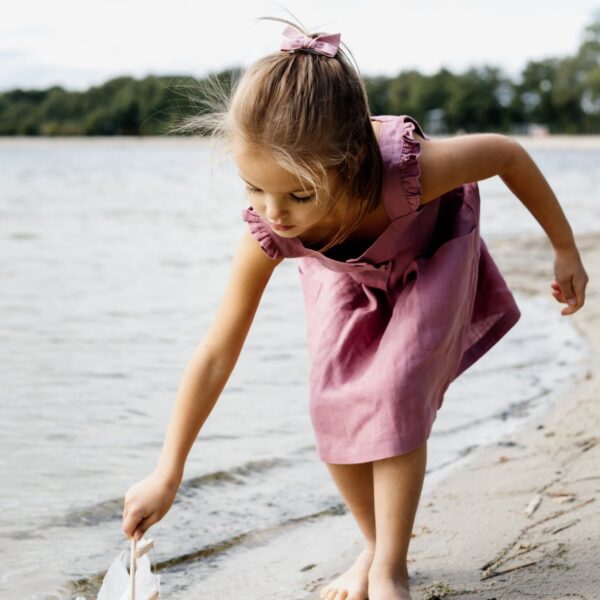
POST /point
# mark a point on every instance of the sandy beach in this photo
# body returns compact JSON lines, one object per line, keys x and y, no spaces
{"x":247,"y":523}
{"x":521,"y":520}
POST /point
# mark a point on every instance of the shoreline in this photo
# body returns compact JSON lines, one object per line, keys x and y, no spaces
{"x":535,"y":529}
{"x":584,"y":141}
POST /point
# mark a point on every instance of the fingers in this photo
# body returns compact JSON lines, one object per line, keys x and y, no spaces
{"x":128,"y":526}
{"x":143,"y":526}
{"x":556,"y":292}
{"x":131,"y":522}
{"x":145,"y":504}
{"x":579,"y":286}
{"x":571,"y":292}
{"x":135,"y":524}
{"x":135,"y":527}
{"x":566,"y":285}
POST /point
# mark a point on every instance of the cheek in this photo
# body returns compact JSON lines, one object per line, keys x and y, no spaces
{"x":317,"y":213}
{"x":309,"y":214}
{"x":257,"y":203}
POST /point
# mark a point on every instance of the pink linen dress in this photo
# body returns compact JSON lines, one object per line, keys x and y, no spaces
{"x":389,"y":330}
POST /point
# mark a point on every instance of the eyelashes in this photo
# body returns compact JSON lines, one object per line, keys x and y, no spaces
{"x":253,"y":190}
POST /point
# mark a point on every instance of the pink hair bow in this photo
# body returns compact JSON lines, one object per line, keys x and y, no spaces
{"x":327,"y":44}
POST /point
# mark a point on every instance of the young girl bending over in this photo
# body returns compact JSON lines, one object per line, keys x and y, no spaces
{"x":401,"y":293}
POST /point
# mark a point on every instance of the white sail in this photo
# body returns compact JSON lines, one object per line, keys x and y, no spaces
{"x":117,"y":581}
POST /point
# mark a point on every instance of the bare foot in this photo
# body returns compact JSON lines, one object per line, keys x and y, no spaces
{"x":353,"y":583}
{"x":386,"y":587}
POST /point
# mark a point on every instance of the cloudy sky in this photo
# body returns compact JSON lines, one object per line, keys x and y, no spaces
{"x":78,"y":43}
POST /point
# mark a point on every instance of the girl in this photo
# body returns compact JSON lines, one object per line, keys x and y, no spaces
{"x":400,"y":290}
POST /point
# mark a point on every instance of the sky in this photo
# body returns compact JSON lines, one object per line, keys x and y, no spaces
{"x":77,"y":44}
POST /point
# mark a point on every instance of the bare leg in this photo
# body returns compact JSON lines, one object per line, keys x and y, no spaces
{"x":397,"y":484}
{"x":355,"y":483}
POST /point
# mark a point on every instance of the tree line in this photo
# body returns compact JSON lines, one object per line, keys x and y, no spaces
{"x":563,"y":94}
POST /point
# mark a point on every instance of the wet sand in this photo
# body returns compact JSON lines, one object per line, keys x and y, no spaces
{"x":520,"y":520}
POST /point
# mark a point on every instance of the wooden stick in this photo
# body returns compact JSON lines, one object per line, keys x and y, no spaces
{"x":510,"y":570}
{"x":501,"y":557}
{"x":132,"y":567}
{"x":143,"y":548}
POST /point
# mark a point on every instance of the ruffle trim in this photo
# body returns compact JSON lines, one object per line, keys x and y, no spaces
{"x":260,"y":231}
{"x":410,"y":171}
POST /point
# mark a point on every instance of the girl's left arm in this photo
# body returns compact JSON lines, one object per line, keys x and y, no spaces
{"x":450,"y":162}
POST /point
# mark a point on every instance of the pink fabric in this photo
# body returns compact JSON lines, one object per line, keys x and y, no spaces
{"x":326,"y":44}
{"x":389,"y":330}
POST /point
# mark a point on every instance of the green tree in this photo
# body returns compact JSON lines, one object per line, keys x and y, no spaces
{"x":561,"y":92}
{"x":588,"y":60}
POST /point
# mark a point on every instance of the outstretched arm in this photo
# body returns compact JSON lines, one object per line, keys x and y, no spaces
{"x":204,"y":377}
{"x":448,"y":163}
{"x":214,"y":359}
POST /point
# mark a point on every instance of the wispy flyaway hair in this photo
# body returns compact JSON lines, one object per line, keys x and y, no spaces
{"x":311,"y":113}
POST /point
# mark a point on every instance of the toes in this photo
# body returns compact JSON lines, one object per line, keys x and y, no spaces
{"x":325,"y":592}
{"x":334,"y":592}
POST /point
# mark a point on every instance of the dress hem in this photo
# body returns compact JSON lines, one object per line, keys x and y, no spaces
{"x":502,"y":326}
{"x":393,"y":447}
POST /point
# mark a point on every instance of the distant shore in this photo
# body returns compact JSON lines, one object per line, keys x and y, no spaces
{"x":575,"y":142}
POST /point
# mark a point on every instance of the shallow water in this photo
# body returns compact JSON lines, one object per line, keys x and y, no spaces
{"x":115,"y":254}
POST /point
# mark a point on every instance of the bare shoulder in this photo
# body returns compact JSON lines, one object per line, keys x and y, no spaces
{"x":251,"y":270}
{"x":249,"y":274}
{"x":447,"y":163}
{"x":251,"y":257}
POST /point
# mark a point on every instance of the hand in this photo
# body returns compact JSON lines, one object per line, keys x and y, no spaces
{"x":146,"y":503}
{"x":570,"y":279}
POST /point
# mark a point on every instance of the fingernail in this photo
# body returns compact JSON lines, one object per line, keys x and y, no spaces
{"x":571,"y":301}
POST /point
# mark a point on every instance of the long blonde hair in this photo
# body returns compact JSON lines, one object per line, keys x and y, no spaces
{"x":311,"y":113}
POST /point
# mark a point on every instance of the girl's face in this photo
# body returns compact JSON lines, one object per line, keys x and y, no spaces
{"x":280,"y":197}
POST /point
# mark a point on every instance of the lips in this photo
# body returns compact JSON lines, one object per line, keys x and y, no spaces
{"x":280,"y":227}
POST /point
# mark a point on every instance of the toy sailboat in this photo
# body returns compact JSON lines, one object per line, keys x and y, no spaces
{"x":137,"y":584}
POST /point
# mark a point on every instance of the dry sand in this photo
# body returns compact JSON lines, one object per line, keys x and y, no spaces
{"x":473,"y":538}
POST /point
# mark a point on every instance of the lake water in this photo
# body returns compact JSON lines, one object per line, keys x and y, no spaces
{"x":115,"y":254}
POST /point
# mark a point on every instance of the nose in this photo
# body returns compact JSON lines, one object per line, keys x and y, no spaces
{"x":275,"y":212}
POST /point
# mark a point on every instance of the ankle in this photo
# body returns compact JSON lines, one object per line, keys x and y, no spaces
{"x":369,"y":546}
{"x":386,"y":570}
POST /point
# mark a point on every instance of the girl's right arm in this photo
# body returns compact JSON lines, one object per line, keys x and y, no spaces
{"x":204,"y":377}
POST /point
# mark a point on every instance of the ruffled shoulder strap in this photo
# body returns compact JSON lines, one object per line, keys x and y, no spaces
{"x":260,"y":231}
{"x":403,"y":176}
{"x":272,"y":245}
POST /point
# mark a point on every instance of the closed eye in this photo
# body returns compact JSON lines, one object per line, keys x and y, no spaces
{"x":253,"y":190}
{"x":298,"y":199}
